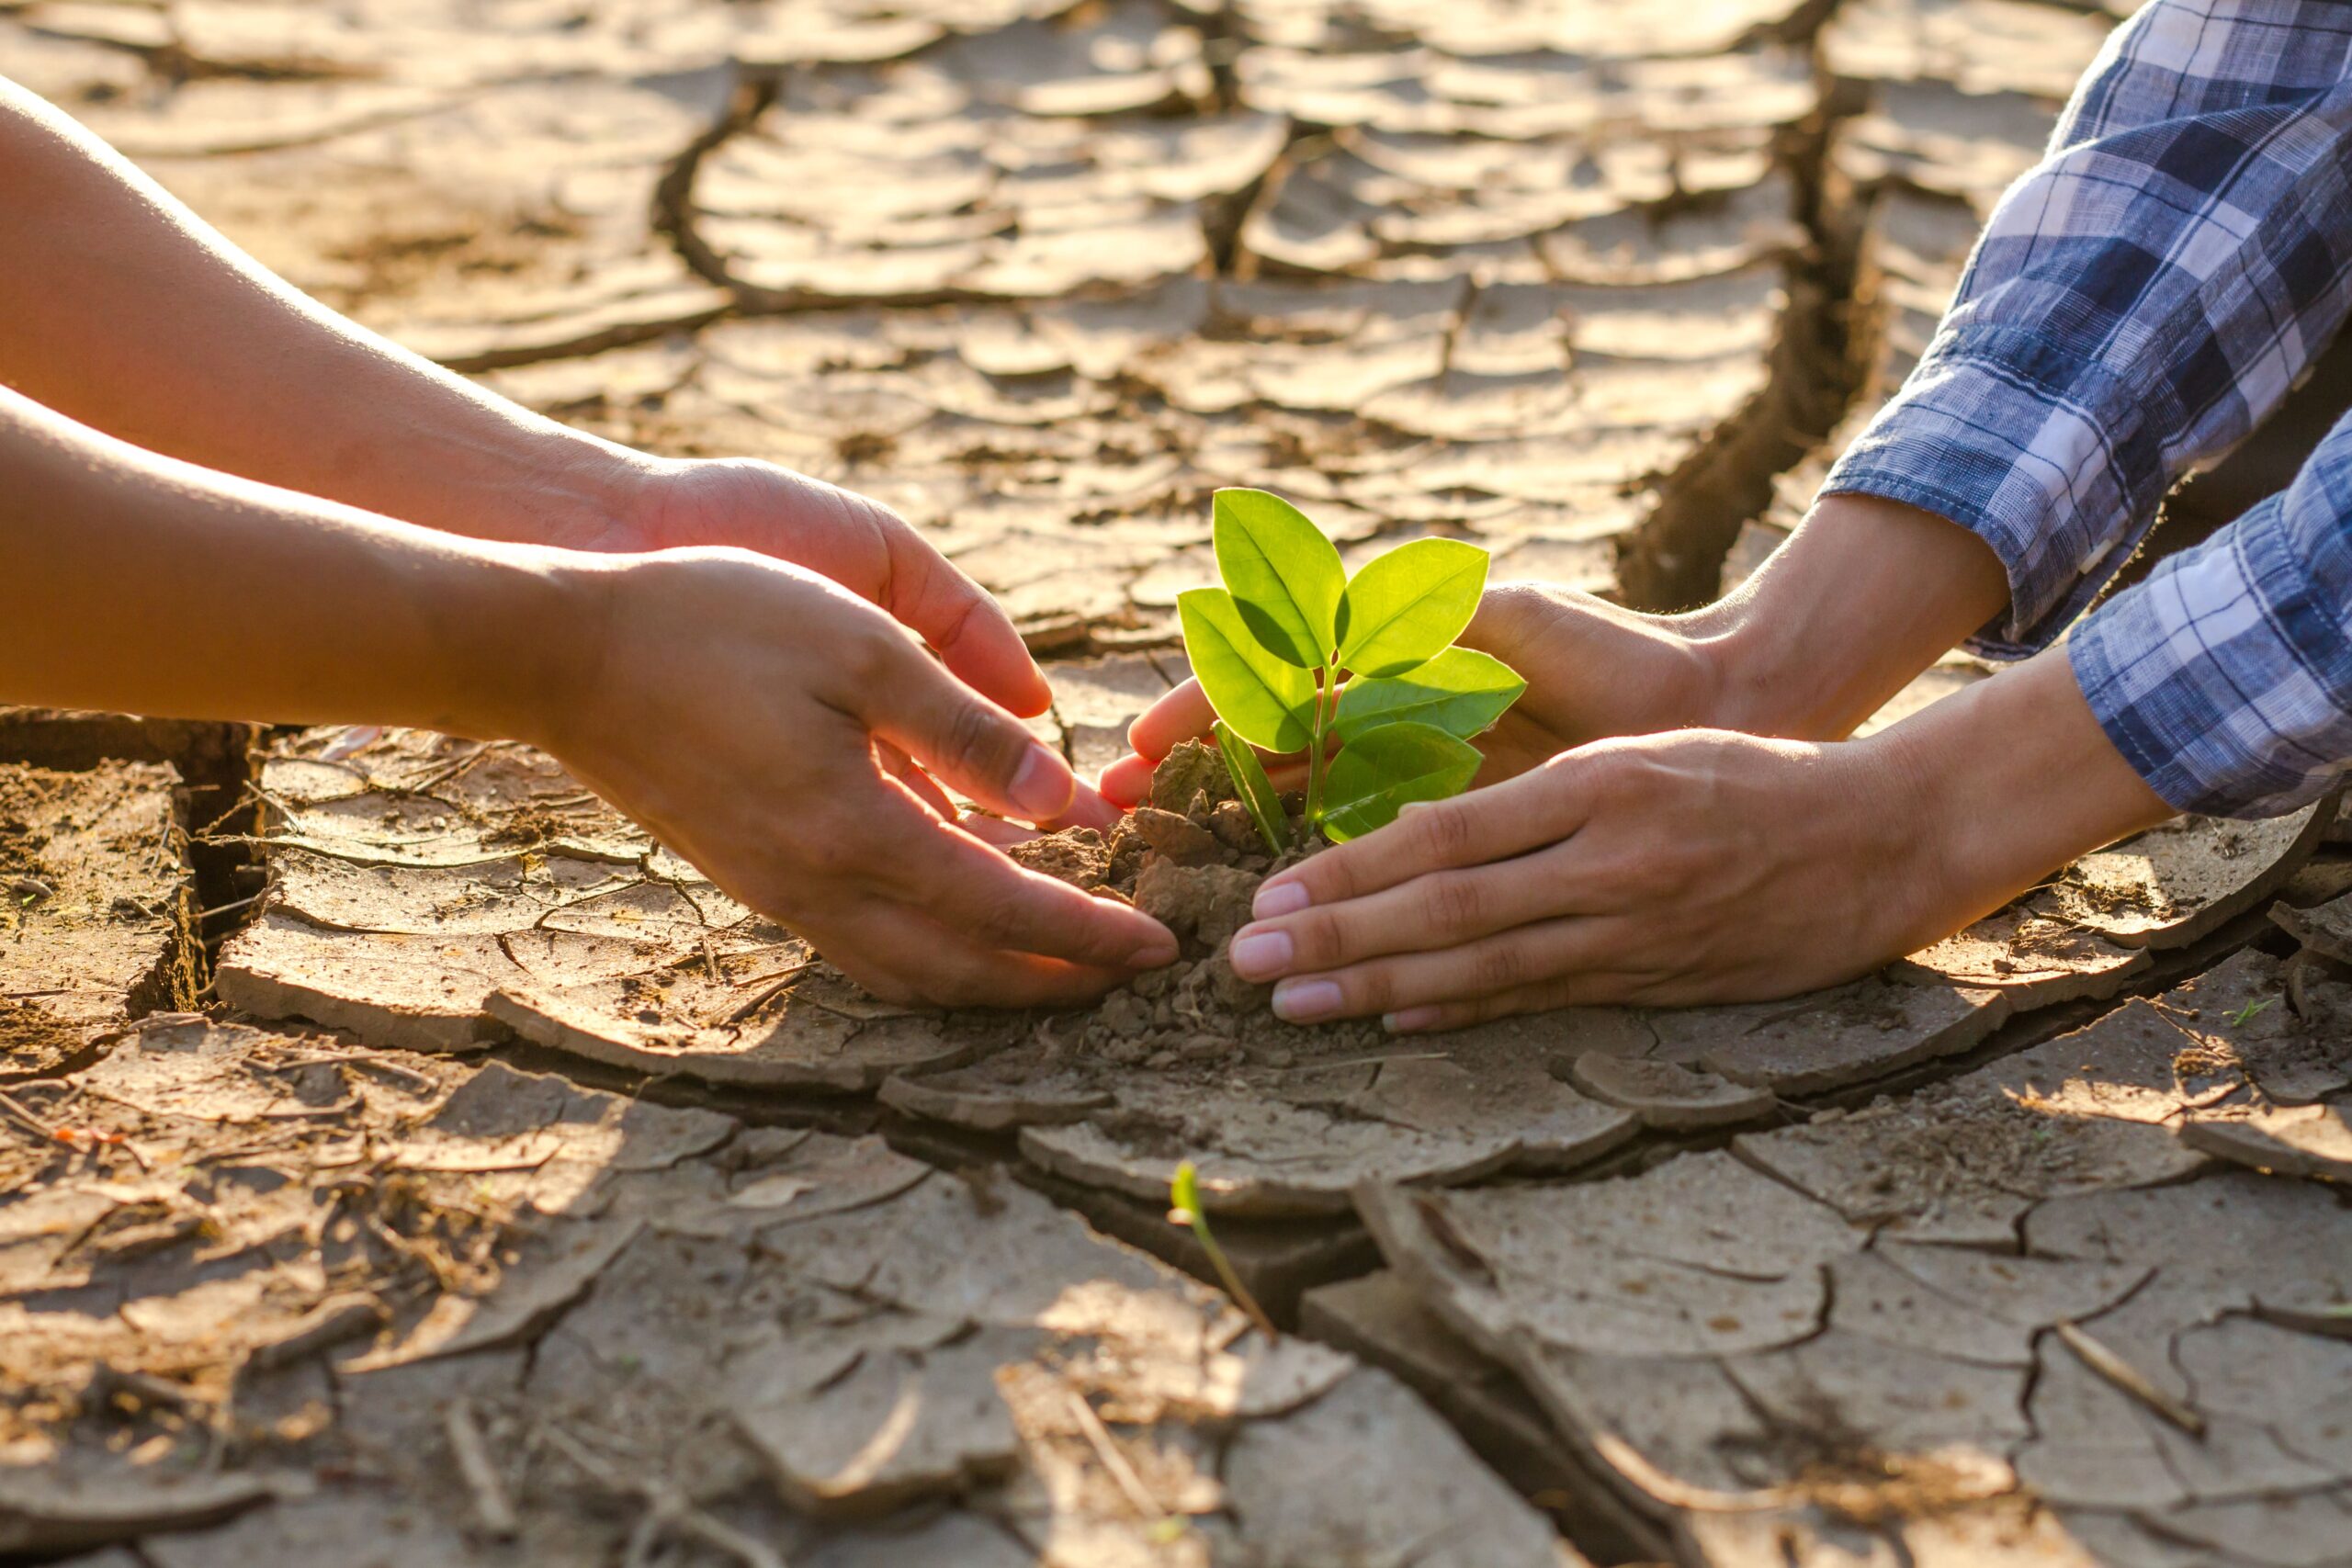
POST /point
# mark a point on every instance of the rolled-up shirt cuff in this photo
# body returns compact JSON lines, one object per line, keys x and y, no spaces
{"x":2033,"y":448}
{"x":2220,"y":678}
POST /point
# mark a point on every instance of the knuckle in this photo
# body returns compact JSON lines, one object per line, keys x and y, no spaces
{"x":1372,"y":989}
{"x":977,"y":740}
{"x":1497,"y":966}
{"x":1441,"y":831}
{"x":996,"y":920}
{"x":1454,"y":903}
{"x":1315,"y":937}
{"x":869,"y":656}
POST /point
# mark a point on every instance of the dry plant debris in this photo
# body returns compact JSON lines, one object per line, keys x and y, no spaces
{"x":310,"y":1294}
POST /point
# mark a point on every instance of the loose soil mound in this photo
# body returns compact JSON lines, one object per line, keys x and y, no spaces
{"x":1190,"y":858}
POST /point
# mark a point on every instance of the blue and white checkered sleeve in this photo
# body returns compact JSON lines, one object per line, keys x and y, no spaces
{"x":2137,"y":303}
{"x":2226,"y":678}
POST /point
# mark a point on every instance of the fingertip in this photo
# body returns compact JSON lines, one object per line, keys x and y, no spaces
{"x":1183,"y":715}
{"x":999,"y":667}
{"x":1088,"y":808}
{"x":1277,"y":897}
{"x":1126,"y":783}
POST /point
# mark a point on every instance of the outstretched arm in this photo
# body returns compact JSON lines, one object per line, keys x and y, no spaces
{"x":124,"y":310}
{"x":738,"y":706}
{"x":126,"y":313}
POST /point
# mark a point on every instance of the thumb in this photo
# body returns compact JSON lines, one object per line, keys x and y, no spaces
{"x":963,"y":738}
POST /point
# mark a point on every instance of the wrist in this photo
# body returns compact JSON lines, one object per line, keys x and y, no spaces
{"x":523,"y":628}
{"x":1867,"y":594}
{"x":1997,"y":786}
{"x":576,"y":491}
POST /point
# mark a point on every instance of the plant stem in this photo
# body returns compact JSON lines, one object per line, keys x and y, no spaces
{"x":1315,"y":752}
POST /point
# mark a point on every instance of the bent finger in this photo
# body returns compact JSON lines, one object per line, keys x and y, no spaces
{"x":1183,"y":715}
{"x":957,"y":734}
{"x":954,"y":615}
{"x":903,"y":955}
{"x":922,"y":785}
{"x":1127,"y":783}
{"x":976,"y":891}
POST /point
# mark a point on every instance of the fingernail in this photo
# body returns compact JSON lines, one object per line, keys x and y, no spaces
{"x":1277,"y":899}
{"x":1043,"y":787}
{"x":1260,"y":955}
{"x":1305,"y":1001}
{"x":1154,"y":953}
{"x":1408,"y":1021}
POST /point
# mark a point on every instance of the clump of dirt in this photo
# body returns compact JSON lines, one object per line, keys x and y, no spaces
{"x":1190,"y":858}
{"x":526,"y":830}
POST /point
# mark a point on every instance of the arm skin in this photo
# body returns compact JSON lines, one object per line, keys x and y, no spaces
{"x":1675,"y":815}
{"x":199,"y":474}
{"x":125,"y":311}
{"x":733,"y":704}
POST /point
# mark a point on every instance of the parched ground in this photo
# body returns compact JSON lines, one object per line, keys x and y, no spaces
{"x":404,"y":1160}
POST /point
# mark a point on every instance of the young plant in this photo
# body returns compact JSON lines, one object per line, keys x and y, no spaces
{"x":1185,"y":1209}
{"x":1292,"y":654}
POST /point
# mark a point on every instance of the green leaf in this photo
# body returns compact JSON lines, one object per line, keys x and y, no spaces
{"x":1390,"y":768}
{"x":1267,"y":701}
{"x":1283,"y":572}
{"x":1406,"y":607}
{"x":1461,"y":691}
{"x":1258,"y":792}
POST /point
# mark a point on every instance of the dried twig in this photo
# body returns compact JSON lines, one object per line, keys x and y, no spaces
{"x":784,"y":983}
{"x":38,"y":1128}
{"x":492,"y":1509}
{"x":2129,"y":1377}
{"x":670,"y":1508}
{"x":1113,"y":1459}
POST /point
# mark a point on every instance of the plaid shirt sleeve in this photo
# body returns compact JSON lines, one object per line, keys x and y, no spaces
{"x":2136,"y":305}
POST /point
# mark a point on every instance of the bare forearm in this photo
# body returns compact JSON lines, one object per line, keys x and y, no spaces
{"x":124,"y":310}
{"x":140,"y":583}
{"x":2003,"y":782}
{"x":1862,"y":597}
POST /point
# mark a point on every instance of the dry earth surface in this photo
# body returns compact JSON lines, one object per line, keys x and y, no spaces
{"x":404,"y":1160}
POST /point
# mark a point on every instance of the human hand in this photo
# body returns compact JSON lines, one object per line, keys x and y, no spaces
{"x":1592,"y":669}
{"x":854,"y":540}
{"x":1702,"y":867}
{"x":744,"y":710}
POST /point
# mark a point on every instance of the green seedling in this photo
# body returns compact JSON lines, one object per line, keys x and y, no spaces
{"x":1185,"y":1209}
{"x":1292,"y":654}
{"x":2249,"y":1012}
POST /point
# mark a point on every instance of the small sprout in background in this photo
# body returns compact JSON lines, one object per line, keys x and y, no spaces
{"x":1185,"y":1209}
{"x":2249,"y":1012}
{"x":1292,"y":654}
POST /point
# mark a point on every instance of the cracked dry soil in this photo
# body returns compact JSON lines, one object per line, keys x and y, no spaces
{"x":516,"y":1198}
